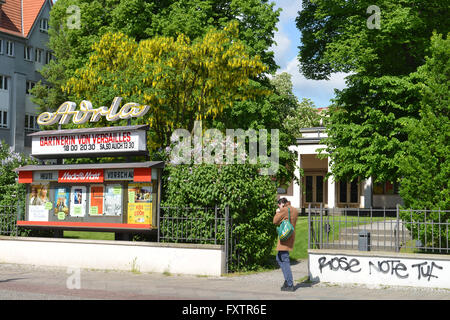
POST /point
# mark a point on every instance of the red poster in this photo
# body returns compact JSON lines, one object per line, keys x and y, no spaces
{"x":80,"y":176}
{"x":96,"y":207}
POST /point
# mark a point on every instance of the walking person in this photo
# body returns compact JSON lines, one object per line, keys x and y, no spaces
{"x":283,"y":247}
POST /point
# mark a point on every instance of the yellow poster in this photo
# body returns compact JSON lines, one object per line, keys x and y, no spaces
{"x":140,"y":203}
{"x":139,"y":213}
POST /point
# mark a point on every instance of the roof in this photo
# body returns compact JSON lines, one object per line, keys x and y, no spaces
{"x":19,"y":16}
{"x":121,"y":165}
{"x":313,"y":129}
{"x":89,"y":130}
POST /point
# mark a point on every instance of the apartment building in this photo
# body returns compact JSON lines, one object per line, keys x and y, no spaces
{"x":23,"y":52}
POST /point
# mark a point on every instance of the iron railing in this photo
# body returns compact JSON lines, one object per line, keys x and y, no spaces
{"x":204,"y":225}
{"x":418,"y":231}
{"x":8,"y":219}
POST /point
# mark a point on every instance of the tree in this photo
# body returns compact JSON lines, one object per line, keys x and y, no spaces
{"x":365,"y":129}
{"x":424,"y":163}
{"x":12,"y":194}
{"x":251,"y":199}
{"x":180,"y":81}
{"x":143,"y":19}
{"x":305,"y":115}
{"x":10,"y":190}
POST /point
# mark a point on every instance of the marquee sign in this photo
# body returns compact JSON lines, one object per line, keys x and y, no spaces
{"x":87,"y":113}
{"x":119,"y":174}
{"x":88,"y":142}
{"x":80,"y":176}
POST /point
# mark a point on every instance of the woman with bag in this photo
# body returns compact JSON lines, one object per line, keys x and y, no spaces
{"x":285,"y":212}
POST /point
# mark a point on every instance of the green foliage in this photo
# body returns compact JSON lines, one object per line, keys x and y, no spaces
{"x":180,"y":81}
{"x":10,"y":191}
{"x":251,"y":198}
{"x":12,"y":194}
{"x":336,"y":38}
{"x":142,"y":19}
{"x":424,"y":163}
{"x":366,"y":132}
{"x":428,"y":226}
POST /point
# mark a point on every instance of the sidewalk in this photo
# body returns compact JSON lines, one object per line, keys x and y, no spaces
{"x":18,"y":282}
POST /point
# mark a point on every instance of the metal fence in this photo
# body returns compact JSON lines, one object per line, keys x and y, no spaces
{"x":8,"y":220}
{"x":207,"y":225}
{"x":414,"y":231}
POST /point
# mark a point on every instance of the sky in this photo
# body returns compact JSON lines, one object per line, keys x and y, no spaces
{"x":286,"y":50}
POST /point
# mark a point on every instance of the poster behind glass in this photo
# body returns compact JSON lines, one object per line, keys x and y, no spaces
{"x":140,"y":203}
{"x":113,"y":200}
{"x":96,"y":200}
{"x":39,"y":204}
{"x":61,"y":203}
{"x":78,"y":201}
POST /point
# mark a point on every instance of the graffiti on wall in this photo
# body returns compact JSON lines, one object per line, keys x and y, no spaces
{"x":423,"y":271}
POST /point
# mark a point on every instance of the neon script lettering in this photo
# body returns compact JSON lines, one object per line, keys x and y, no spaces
{"x":66,"y":111}
{"x":80,"y":176}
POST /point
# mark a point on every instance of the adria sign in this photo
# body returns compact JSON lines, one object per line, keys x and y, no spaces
{"x":81,"y":175}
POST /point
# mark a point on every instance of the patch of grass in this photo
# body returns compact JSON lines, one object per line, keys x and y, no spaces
{"x":89,"y":235}
{"x":135,"y":267}
{"x":300,"y":250}
{"x":167,"y":273}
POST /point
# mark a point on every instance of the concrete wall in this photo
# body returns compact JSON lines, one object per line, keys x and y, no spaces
{"x":380,"y":268}
{"x":114,"y":255}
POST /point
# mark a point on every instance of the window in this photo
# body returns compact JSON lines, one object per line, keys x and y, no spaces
{"x":1,"y":46}
{"x":27,"y":53}
{"x":314,"y":188}
{"x":385,"y":188}
{"x":48,"y":57}
{"x":349,"y":192}
{"x":3,"y":119}
{"x":44,"y":25}
{"x":10,"y":48}
{"x":3,"y":82}
{"x":30,"y":85}
{"x":38,"y":53}
{"x":31,"y":122}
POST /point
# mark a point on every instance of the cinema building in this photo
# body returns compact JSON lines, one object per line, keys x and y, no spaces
{"x":316,"y":190}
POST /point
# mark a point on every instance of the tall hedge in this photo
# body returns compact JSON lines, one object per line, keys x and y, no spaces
{"x":251,"y":198}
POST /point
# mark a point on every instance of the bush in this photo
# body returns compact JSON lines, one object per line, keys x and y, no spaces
{"x":12,"y":194}
{"x":251,"y":198}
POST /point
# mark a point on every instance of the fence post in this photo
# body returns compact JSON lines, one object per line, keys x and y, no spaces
{"x":215,"y":224}
{"x":397,"y":229}
{"x":321,"y":226}
{"x":309,"y":236}
{"x":159,"y":222}
{"x":226,"y":238}
{"x":309,"y":226}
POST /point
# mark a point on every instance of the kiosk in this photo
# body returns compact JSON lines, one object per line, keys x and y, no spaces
{"x":114,"y":197}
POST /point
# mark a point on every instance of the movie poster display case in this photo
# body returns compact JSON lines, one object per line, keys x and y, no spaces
{"x":108,"y":197}
{"x":113,"y":197}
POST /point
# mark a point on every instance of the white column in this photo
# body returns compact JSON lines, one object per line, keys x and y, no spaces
{"x":367,"y":193}
{"x":331,"y":189}
{"x":295,"y":199}
{"x":297,"y":189}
